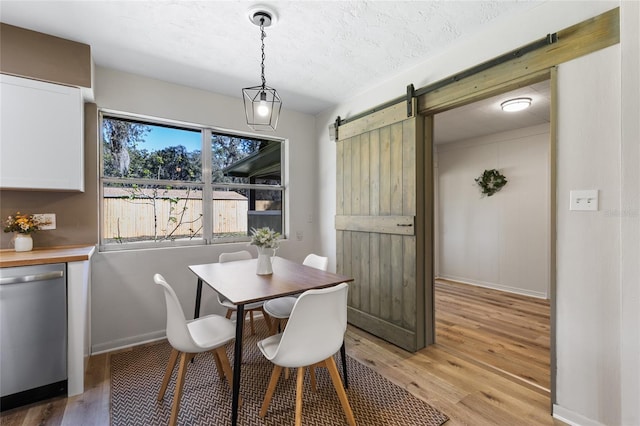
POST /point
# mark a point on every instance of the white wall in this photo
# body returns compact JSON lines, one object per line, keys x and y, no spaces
{"x":590,"y":355}
{"x":548,"y":17}
{"x":630,"y":213}
{"x":127,"y":307}
{"x":588,"y":275}
{"x":501,"y":241}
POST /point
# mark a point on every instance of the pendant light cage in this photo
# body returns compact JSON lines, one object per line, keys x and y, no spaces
{"x":257,"y":100}
{"x":262,"y":104}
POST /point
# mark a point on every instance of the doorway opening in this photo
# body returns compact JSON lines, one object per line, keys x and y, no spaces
{"x":492,"y":257}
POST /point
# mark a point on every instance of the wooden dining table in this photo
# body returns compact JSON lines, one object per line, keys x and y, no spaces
{"x":238,"y":282}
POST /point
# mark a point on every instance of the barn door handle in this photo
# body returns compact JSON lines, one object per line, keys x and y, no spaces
{"x":405,"y":224}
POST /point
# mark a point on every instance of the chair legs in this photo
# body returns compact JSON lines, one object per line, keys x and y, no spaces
{"x":299,"y":382}
{"x":177,"y":395}
{"x":224,"y":368}
{"x":216,"y":358}
{"x":253,"y":329}
{"x":266,"y":317}
{"x":337,"y":384}
{"x":277,"y":325}
{"x":275,"y":374}
{"x":330,"y":365}
{"x":173,"y":358}
{"x":312,"y":374}
{"x":222,"y":364}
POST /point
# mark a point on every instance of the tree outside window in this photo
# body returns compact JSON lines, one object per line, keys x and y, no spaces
{"x":154,"y":187}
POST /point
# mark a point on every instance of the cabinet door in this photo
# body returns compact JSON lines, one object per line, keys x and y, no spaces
{"x":41,"y":136}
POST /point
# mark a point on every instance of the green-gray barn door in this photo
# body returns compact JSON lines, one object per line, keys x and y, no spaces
{"x":379,"y":225}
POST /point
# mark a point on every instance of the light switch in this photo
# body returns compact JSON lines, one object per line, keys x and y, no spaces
{"x":583,"y":200}
{"x":47,"y":220}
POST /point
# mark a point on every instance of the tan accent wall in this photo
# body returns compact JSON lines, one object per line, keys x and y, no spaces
{"x":40,"y":56}
{"x":31,"y":54}
{"x":76,"y":213}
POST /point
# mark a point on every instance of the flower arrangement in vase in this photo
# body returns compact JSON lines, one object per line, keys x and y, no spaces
{"x":22,"y":226}
{"x":266,"y":240}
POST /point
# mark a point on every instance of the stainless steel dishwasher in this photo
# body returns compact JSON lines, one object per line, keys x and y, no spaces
{"x":33,"y":334}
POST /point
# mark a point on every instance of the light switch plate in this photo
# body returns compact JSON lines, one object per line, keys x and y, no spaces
{"x":47,"y":219}
{"x":586,"y":200}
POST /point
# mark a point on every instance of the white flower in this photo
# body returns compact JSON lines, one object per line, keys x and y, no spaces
{"x":264,"y":237}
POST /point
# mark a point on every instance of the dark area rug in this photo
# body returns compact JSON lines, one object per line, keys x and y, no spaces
{"x":136,"y":376}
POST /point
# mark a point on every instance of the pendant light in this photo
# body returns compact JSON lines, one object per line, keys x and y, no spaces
{"x":261,"y":103}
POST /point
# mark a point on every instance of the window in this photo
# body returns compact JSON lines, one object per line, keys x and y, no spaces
{"x":156,"y":178}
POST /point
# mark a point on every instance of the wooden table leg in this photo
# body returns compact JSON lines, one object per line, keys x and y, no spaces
{"x":237,"y":362}
{"x":343,"y":355}
{"x":196,"y":314}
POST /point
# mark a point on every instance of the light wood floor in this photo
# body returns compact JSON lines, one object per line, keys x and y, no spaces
{"x":506,"y":331}
{"x":468,"y":391}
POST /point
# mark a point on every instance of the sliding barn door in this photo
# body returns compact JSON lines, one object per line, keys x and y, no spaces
{"x":380,"y":224}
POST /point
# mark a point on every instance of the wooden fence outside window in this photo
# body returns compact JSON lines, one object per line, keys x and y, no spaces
{"x":127,"y":218}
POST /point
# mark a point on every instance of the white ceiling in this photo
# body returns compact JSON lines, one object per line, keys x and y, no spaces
{"x":486,"y":117}
{"x":318,"y":53}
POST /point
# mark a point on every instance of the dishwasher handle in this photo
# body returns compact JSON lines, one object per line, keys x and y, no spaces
{"x":30,"y":278}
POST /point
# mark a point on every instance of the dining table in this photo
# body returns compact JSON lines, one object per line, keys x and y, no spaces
{"x":239,"y":283}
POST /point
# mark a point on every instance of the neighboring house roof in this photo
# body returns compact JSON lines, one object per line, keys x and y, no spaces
{"x":261,"y":164}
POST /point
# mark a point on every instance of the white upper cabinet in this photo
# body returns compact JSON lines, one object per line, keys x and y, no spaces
{"x":41,"y":135}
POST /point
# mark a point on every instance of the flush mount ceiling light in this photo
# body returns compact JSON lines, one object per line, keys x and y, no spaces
{"x":517,"y":104}
{"x":262,"y":103}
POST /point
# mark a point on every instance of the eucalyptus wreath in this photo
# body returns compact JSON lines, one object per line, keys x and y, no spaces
{"x":491,"y":181}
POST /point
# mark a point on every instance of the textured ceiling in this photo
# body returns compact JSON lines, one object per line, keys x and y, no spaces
{"x":318,"y":54}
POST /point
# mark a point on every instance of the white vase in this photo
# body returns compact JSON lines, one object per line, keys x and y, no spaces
{"x":265,"y":257}
{"x":22,"y":242}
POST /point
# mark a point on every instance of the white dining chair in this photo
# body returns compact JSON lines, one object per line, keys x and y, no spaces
{"x":280,"y":308}
{"x":313,"y":335}
{"x":188,"y":338}
{"x":249,"y":308}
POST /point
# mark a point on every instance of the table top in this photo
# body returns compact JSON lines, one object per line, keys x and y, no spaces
{"x":238,"y":281}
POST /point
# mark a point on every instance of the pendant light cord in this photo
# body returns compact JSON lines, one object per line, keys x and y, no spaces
{"x":262,"y":36}
{"x":262,"y":103}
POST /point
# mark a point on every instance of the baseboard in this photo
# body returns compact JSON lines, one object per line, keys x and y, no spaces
{"x":128,"y":342}
{"x":115,"y":345}
{"x":571,"y":418}
{"x":494,"y":286}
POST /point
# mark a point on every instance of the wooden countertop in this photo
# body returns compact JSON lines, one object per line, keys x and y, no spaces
{"x":41,"y":256}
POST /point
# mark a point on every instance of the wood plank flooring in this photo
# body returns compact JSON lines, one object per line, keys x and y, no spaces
{"x":468,"y":391}
{"x":505,"y":331}
{"x":89,"y":409}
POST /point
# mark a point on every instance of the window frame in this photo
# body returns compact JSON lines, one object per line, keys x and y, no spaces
{"x":206,"y":183}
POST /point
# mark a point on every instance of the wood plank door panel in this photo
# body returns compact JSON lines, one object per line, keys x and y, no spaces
{"x":377,"y":234}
